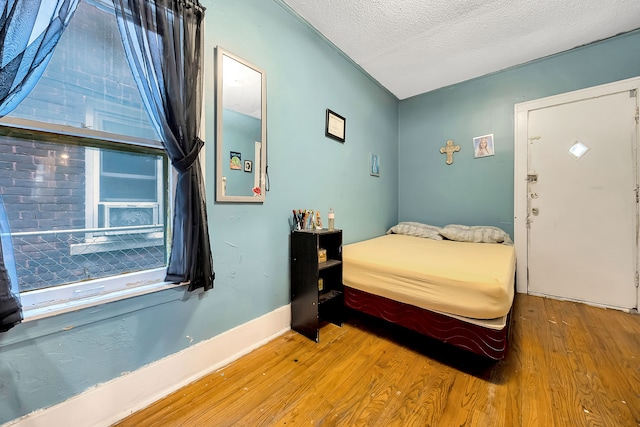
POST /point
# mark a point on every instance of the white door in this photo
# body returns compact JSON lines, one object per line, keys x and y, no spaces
{"x":582,"y":206}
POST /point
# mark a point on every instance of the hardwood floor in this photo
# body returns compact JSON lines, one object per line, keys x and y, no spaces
{"x":569,"y":365}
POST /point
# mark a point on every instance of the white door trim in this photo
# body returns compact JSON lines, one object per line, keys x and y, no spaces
{"x":521,"y":161}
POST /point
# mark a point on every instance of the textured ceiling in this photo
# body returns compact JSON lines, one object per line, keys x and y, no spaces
{"x":415,"y":46}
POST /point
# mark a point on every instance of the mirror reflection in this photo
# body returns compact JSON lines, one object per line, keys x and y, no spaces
{"x":240,"y":130}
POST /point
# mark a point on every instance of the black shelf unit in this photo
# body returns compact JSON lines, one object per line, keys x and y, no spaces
{"x":309,"y":303}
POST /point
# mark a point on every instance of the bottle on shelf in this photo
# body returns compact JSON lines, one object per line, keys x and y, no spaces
{"x":331,"y":219}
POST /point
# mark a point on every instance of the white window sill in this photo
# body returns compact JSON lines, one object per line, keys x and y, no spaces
{"x":45,"y":318}
{"x":37,"y":313}
{"x":57,"y":300}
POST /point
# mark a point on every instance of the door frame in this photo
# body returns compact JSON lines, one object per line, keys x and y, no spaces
{"x":521,"y":165}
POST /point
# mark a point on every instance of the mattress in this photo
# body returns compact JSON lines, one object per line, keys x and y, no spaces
{"x":465,"y":280}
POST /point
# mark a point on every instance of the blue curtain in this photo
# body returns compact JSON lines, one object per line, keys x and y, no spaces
{"x":163,"y":42}
{"x":29,"y":33}
{"x":10,"y":309}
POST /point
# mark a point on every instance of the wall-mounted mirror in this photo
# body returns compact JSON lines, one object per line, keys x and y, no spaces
{"x":241,"y":123}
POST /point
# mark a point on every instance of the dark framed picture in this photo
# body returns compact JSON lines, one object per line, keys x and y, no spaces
{"x":336,"y":126}
{"x":248,"y":166}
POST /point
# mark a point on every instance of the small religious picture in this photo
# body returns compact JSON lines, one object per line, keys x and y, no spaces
{"x":235,"y":160}
{"x":248,"y":166}
{"x":483,"y":146}
{"x":375,"y":165}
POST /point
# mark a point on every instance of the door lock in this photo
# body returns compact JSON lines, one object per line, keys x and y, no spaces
{"x":535,"y":211}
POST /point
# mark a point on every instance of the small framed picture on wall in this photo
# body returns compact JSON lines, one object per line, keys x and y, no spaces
{"x":335,"y":126}
{"x":234,"y":160}
{"x":374,"y":168}
{"x":248,"y":166}
{"x":483,"y":146}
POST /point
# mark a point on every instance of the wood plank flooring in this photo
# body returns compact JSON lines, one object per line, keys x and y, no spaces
{"x":568,"y":365}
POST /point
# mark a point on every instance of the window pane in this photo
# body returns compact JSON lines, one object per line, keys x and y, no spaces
{"x":115,"y":162}
{"x":79,"y":212}
{"x":88,"y":83}
{"x":128,"y":177}
{"x":54,"y":213}
{"x":114,"y":189}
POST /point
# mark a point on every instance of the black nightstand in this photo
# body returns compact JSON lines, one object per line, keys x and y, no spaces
{"x":316,"y":287}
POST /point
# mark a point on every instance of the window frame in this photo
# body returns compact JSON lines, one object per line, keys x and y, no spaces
{"x":93,"y":161}
{"x":59,"y":299}
{"x":51,"y":301}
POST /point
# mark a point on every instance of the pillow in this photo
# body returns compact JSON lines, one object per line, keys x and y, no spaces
{"x":416,"y":229}
{"x":476,"y":234}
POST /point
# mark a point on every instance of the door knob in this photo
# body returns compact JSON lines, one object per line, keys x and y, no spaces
{"x":535,"y":211}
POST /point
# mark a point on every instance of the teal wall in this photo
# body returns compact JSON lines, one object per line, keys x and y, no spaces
{"x":480,"y":191}
{"x":47,"y":361}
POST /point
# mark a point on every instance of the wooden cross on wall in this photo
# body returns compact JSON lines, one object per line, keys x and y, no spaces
{"x":449,"y":149}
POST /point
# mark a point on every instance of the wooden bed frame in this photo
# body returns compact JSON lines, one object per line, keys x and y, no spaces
{"x":476,"y":339}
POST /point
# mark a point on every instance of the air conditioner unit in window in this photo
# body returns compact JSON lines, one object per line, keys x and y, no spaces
{"x":112,"y":215}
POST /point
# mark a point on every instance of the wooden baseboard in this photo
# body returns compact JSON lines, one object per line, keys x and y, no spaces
{"x":107,"y":403}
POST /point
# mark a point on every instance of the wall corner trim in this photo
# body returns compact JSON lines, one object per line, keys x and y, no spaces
{"x":109,"y":402}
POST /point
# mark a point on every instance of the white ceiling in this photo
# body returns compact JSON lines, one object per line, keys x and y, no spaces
{"x":415,"y":46}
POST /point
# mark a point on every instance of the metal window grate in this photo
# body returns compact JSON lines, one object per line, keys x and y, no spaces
{"x":58,"y":257}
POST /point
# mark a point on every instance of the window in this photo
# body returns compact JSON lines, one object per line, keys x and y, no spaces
{"x":83,"y":175}
{"x":129,"y":191}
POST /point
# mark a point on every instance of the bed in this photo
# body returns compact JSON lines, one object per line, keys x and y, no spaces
{"x":455,"y":283}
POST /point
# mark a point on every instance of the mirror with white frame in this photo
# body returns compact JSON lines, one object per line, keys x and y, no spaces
{"x":241,"y":144}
